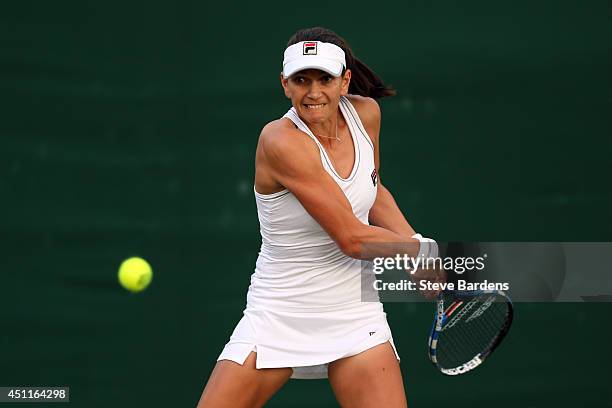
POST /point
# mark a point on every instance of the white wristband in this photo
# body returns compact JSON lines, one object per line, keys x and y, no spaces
{"x":428,"y":248}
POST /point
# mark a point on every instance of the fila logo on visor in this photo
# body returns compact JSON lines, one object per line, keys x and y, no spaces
{"x":310,"y":48}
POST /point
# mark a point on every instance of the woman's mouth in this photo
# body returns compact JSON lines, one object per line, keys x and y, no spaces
{"x":314,"y":106}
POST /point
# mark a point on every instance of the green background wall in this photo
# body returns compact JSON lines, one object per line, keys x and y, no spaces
{"x":129,"y":128}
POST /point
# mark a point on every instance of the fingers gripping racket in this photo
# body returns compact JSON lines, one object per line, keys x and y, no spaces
{"x":467,"y":327}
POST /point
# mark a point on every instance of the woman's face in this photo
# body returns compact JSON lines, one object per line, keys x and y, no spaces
{"x":316,"y":94}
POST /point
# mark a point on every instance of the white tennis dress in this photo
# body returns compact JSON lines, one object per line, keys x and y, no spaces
{"x":304,"y":305}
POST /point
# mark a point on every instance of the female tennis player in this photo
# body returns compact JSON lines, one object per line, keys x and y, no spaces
{"x":319,"y":199}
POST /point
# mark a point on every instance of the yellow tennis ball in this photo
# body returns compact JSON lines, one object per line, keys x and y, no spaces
{"x":135,"y":274}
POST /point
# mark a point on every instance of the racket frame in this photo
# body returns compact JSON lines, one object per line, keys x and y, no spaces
{"x":441,"y":317}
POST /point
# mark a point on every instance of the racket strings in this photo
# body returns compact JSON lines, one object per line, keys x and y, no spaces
{"x":473,"y":333}
{"x":456,"y":348}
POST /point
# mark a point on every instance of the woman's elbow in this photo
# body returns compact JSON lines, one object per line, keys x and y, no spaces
{"x":351,"y":246}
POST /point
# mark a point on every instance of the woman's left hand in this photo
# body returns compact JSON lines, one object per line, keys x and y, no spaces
{"x":431,"y":278}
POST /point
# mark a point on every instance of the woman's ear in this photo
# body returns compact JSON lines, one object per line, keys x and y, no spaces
{"x":284,"y":85}
{"x":346,"y":81}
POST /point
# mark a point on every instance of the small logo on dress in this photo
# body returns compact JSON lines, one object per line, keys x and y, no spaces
{"x":310,"y":48}
{"x":371,"y":333}
{"x":374,"y":176}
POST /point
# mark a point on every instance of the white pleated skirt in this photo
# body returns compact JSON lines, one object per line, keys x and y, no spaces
{"x":307,"y":341}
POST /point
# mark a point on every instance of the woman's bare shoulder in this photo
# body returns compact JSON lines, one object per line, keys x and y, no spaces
{"x":282,"y":125}
{"x":281,"y":136}
{"x":369,"y":113}
{"x":366,"y":107}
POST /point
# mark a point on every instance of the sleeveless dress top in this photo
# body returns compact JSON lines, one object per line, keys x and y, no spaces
{"x":304,"y":306}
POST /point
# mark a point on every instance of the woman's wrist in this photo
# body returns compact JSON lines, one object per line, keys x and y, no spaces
{"x":428,"y":248}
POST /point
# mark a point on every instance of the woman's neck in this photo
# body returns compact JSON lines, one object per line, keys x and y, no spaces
{"x":328,"y":132}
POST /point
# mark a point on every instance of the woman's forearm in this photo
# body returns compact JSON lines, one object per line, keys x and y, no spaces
{"x":385,"y":213}
{"x":388,"y":234}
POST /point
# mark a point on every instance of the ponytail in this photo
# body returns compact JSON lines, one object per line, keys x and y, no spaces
{"x":364,"y":81}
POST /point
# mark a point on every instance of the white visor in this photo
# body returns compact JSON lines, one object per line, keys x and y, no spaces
{"x":313,"y":55}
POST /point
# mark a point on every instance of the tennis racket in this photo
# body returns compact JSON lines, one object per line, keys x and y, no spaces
{"x":467,"y":327}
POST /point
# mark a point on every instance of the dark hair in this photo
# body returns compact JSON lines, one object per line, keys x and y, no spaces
{"x":364,"y":81}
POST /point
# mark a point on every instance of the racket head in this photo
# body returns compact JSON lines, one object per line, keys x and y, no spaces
{"x":468,"y":326}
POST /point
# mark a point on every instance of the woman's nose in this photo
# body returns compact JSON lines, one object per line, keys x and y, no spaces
{"x":314,"y":91}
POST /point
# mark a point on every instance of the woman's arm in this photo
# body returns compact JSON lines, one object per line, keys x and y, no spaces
{"x":385,"y":212}
{"x":293,"y":160}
